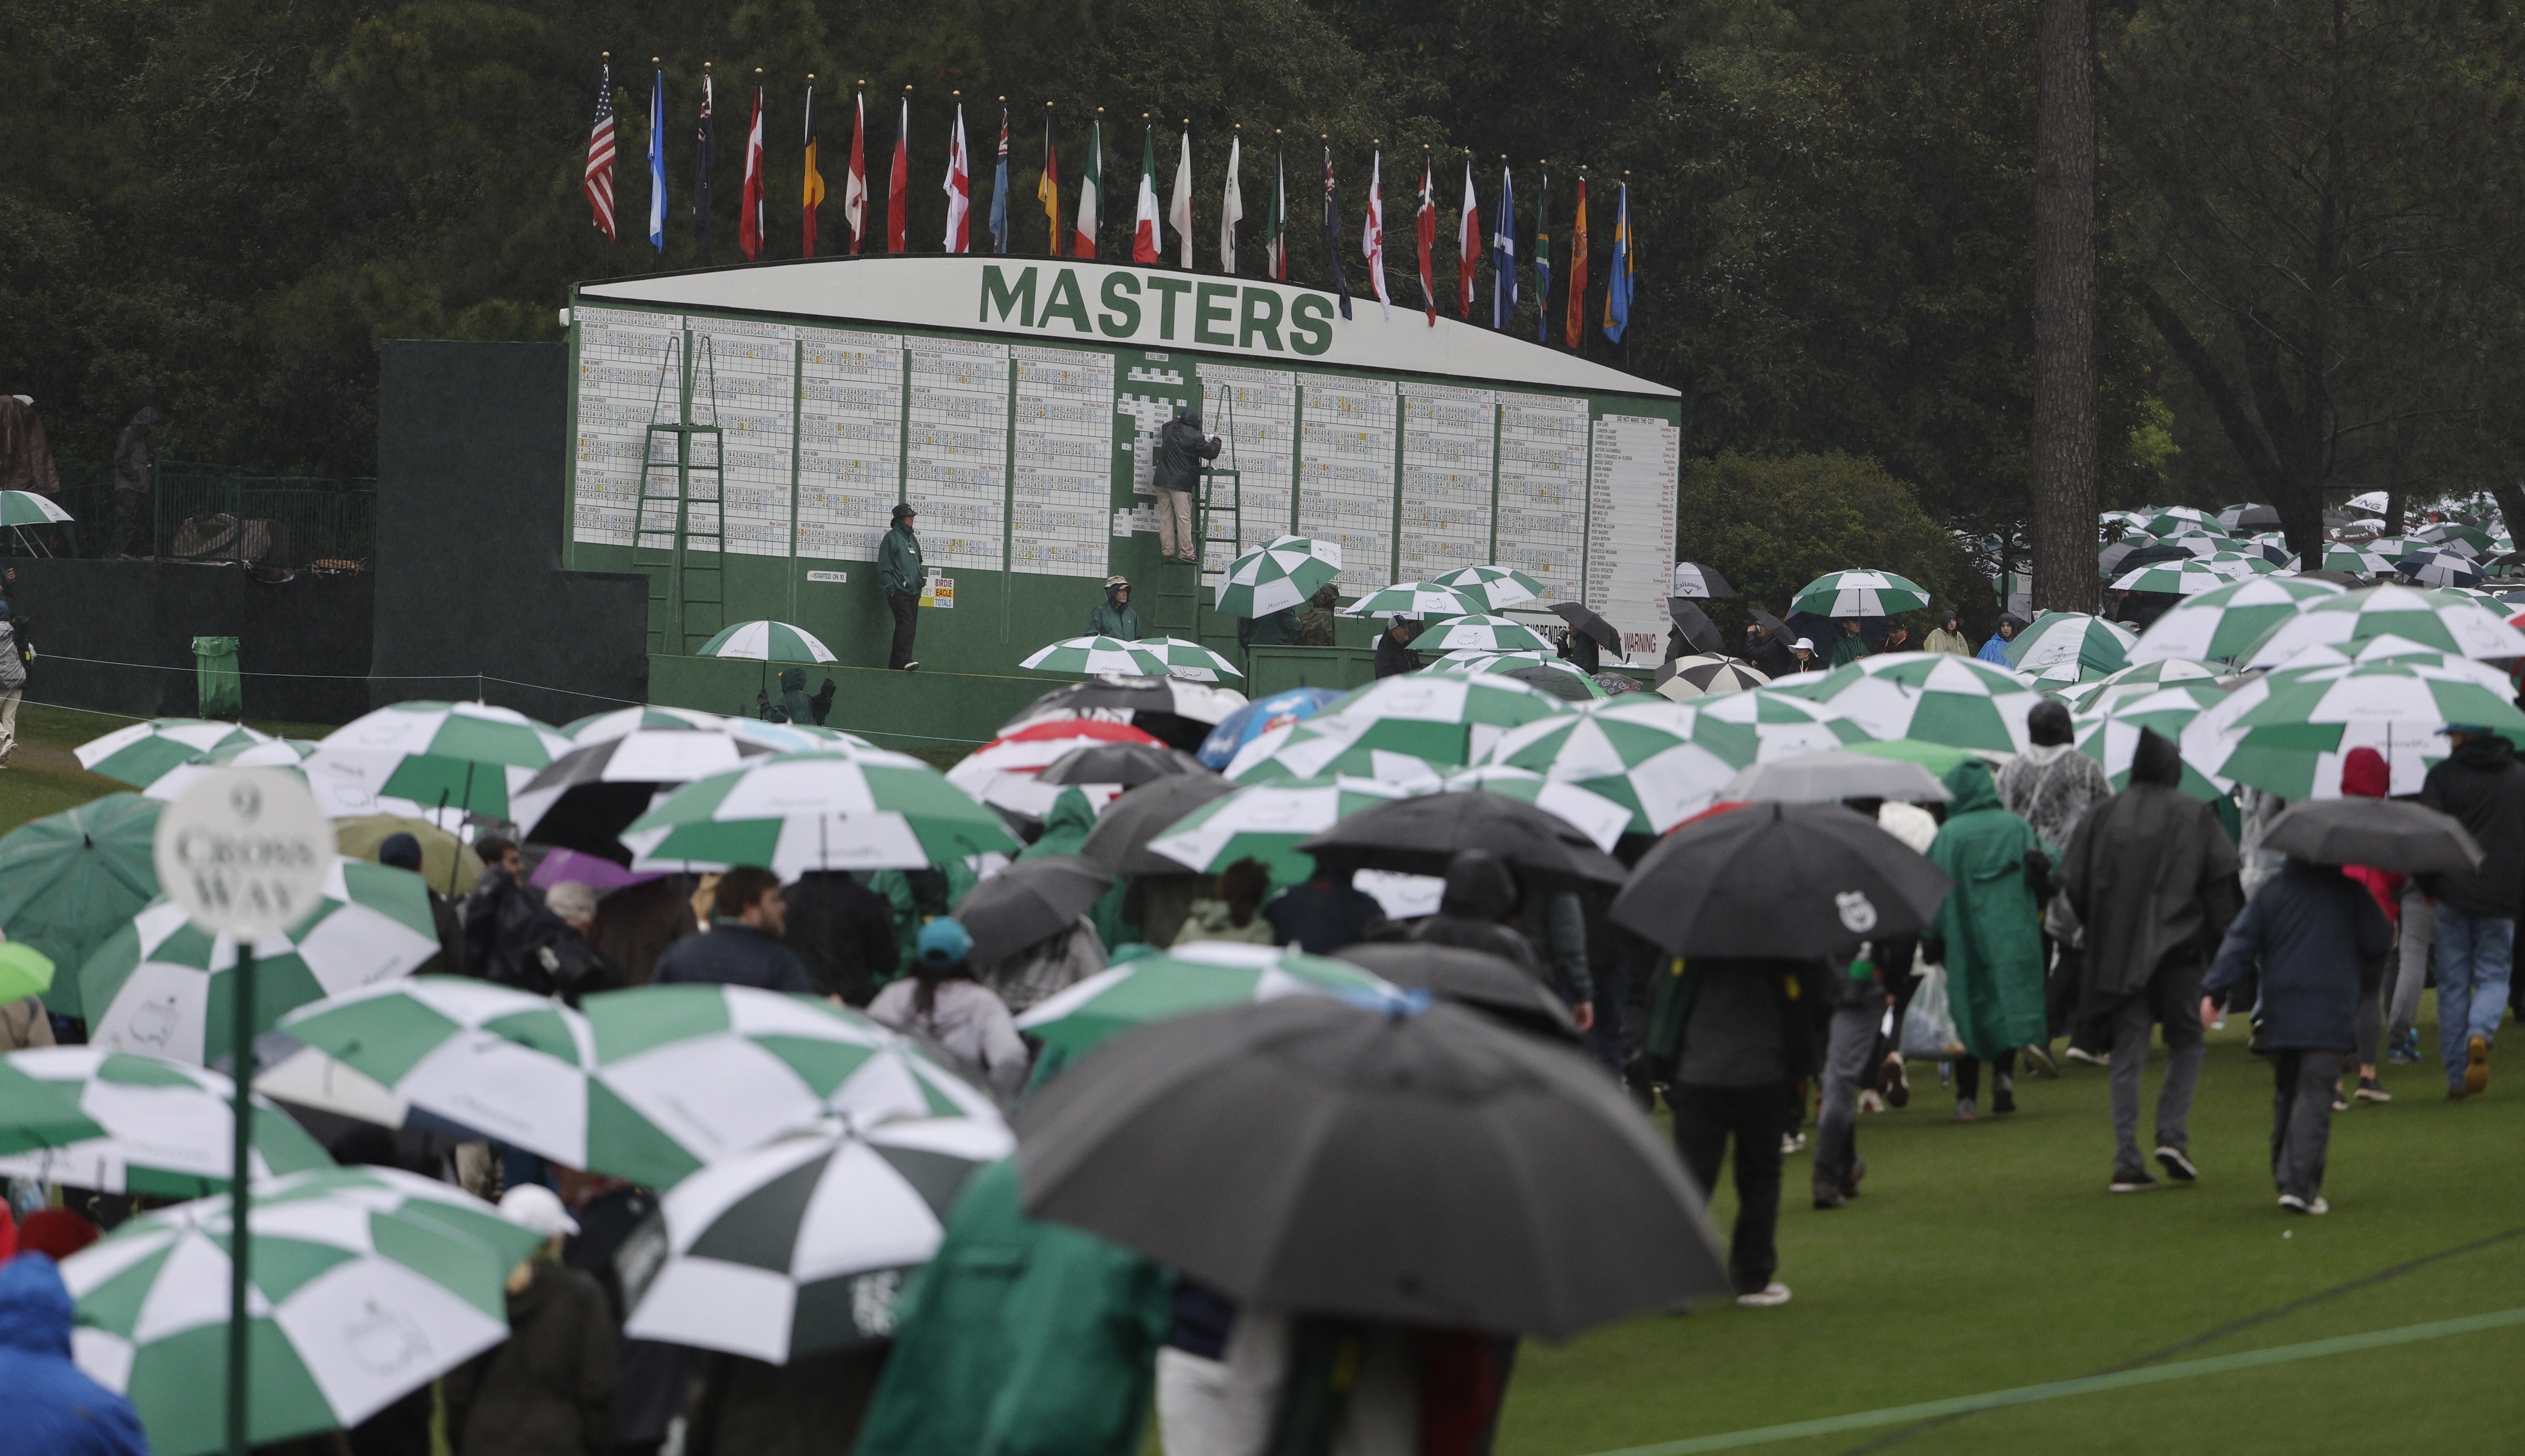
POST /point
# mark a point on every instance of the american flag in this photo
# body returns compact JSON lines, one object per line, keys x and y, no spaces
{"x":599,"y":183}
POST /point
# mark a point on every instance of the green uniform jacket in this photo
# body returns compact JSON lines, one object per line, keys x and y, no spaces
{"x":1021,"y":1338}
{"x":1065,"y":832}
{"x":1273,"y":629}
{"x":1991,"y":923}
{"x":897,"y":561}
{"x":915,"y":905}
{"x":1108,"y":620}
{"x":1849,"y":647}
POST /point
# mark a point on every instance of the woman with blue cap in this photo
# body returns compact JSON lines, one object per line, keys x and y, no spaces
{"x":944,"y":1003}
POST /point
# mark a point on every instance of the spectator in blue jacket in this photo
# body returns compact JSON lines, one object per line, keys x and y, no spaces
{"x":53,"y":1408}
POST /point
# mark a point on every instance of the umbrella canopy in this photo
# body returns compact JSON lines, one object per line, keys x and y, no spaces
{"x":1486,"y":982}
{"x":2247,"y":518}
{"x":1190,"y":661}
{"x":1491,"y":586}
{"x":1282,"y":573}
{"x":2179,"y":518}
{"x":1403,"y":727}
{"x":23,"y":972}
{"x":2220,"y":623}
{"x":2468,"y":540}
{"x":1698,"y":630}
{"x":800,"y":1249}
{"x":1585,"y":623}
{"x":162,"y":987}
{"x":2188,"y":578}
{"x":1779,"y":879}
{"x":467,"y":756}
{"x":1422,"y":836}
{"x":1832,"y":775}
{"x":2346,"y":555}
{"x":448,"y":862}
{"x":1260,"y":717}
{"x":1097,"y":655}
{"x":2079,"y":640}
{"x":2387,"y":833}
{"x":2197,"y":543}
{"x":1685,"y":677}
{"x":1416,"y":599}
{"x":28,"y":507}
{"x":1860,"y":593}
{"x":1934,"y":697}
{"x":142,"y":752}
{"x":150,"y":1126}
{"x":2440,"y":569}
{"x":1119,"y":841}
{"x":2112,"y":737}
{"x":596,"y":727}
{"x":367,"y":1283}
{"x":1692,"y":579}
{"x":1127,"y":765}
{"x":1481,"y":632}
{"x":1599,"y":819}
{"x":1147,"y":702}
{"x":2293,"y":741}
{"x":68,"y":881}
{"x":766,"y":641}
{"x":1664,"y":762}
{"x":1427,"y":1168}
{"x":1266,"y":822}
{"x":1201,"y":975}
{"x":2236,"y":566}
{"x":2138,"y":680}
{"x":795,"y":812}
{"x":275,"y":753}
{"x":1007,"y":771}
{"x":590,"y":795}
{"x":1028,"y":901}
{"x":2450,"y":622}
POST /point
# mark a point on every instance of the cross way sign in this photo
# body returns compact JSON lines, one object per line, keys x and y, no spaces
{"x":244,"y":851}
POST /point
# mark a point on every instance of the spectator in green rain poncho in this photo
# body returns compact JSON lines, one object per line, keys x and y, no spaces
{"x":1065,"y":832}
{"x":1989,"y":933}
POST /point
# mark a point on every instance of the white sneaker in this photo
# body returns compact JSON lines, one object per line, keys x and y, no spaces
{"x":1791,"y":1144}
{"x":2081,"y":1054}
{"x":1769,"y":1295}
{"x":2295,"y":1204}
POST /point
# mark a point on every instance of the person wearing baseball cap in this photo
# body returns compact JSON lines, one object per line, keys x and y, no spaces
{"x":897,"y":575}
{"x":941,"y":1000}
{"x":553,"y":1384}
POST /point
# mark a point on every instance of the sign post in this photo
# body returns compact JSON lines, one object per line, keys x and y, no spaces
{"x":244,"y":851}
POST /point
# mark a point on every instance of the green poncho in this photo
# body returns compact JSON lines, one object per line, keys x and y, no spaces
{"x":1065,"y":832}
{"x":1991,"y":922}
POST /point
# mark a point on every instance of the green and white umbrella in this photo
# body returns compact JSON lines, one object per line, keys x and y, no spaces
{"x":365,"y":1284}
{"x":1198,"y":977}
{"x":1590,"y":814}
{"x":1472,"y":662}
{"x":2350,"y":556}
{"x":2218,"y":625}
{"x":2440,"y":569}
{"x":144,"y":752}
{"x":2237,"y":566}
{"x":2175,"y":519}
{"x":1492,"y":587}
{"x":2294,"y":741}
{"x":801,"y":1248}
{"x":2112,"y":738}
{"x":1936,"y":697}
{"x":162,"y":987}
{"x":1375,"y":731}
{"x":2071,"y":647}
{"x":1663,"y":762}
{"x":766,"y":641}
{"x":1265,"y":821}
{"x":1481,"y":632}
{"x":1190,"y":661}
{"x":2458,"y":622}
{"x":469,"y":756}
{"x":1282,"y":573}
{"x":647,"y":1084}
{"x":1416,"y":599}
{"x":2138,"y":680}
{"x":270,"y":753}
{"x":1098,"y":654}
{"x":796,"y":812}
{"x":152,"y":1126}
{"x":68,"y":881}
{"x":599,"y":728}
{"x":2455,"y":536}
{"x":26,"y":508}
{"x":1860,"y":593}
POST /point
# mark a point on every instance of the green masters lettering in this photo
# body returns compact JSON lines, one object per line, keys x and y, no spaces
{"x":1065,"y":303}
{"x":1262,"y":316}
{"x":1122,"y":297}
{"x":1311,"y":323}
{"x":1169,"y":287}
{"x":1214,"y":302}
{"x":996,"y":293}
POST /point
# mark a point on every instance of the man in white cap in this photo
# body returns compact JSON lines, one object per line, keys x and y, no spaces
{"x":551,"y":1387}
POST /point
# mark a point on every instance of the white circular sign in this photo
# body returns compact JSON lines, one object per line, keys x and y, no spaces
{"x":244,"y":851}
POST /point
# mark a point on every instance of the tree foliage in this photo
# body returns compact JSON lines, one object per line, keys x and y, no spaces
{"x":1773,"y":525}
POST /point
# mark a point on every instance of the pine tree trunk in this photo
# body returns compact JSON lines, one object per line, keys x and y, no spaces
{"x":2065,"y":411}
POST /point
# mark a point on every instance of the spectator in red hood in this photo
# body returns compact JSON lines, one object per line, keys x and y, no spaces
{"x":2365,"y":775}
{"x":57,"y":1231}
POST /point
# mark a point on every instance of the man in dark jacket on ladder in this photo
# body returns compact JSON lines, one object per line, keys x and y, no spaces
{"x":1182,"y":448}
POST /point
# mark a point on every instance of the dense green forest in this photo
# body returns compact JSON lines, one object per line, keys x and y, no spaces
{"x":2311,"y":210}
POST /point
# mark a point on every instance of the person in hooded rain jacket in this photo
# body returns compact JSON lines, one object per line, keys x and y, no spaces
{"x":1995,"y":650}
{"x":2153,"y":878}
{"x":48,"y":1405}
{"x":1114,"y":617}
{"x":2482,"y":784}
{"x":550,"y":1388}
{"x":1480,"y":895}
{"x":793,"y":705}
{"x":1989,"y":933}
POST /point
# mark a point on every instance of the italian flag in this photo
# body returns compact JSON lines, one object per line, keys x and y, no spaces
{"x":1144,"y":228}
{"x":1091,"y":193}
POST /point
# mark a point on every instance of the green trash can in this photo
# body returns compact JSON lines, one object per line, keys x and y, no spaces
{"x":214,"y":671}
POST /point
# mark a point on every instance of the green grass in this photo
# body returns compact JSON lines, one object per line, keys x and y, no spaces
{"x":44,"y":778}
{"x":1987,"y":1256}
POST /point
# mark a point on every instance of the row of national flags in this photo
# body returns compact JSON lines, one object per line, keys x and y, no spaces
{"x":1149,"y":221}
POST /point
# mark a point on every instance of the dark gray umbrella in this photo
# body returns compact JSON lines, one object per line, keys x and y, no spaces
{"x":1028,"y":901}
{"x":1122,"y":832}
{"x":1692,"y":579}
{"x":1696,"y":626}
{"x":1587,"y":624}
{"x":1568,"y":686}
{"x":1419,"y":836}
{"x":1830,"y":776}
{"x":1770,"y":623}
{"x":1417,"y":1166}
{"x":1483,"y":982}
{"x":1779,"y":879}
{"x":2386,"y":834}
{"x":1127,"y":764}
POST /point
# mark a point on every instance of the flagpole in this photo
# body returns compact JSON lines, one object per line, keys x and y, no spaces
{"x":240,"y":1200}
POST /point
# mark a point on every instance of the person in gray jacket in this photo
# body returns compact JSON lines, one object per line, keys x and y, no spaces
{"x":12,"y":682}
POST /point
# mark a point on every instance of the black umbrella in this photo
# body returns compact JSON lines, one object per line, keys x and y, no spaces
{"x":588,"y":798}
{"x":1685,"y":678}
{"x":1481,"y":981}
{"x":1560,"y":683}
{"x":1127,"y":764}
{"x":1588,"y":624}
{"x":1770,"y":623}
{"x":1696,"y":626}
{"x":1692,"y":579}
{"x":1122,"y":832}
{"x":2337,"y":579}
{"x":2387,"y":833}
{"x":2253,"y":518}
{"x":1419,"y":836}
{"x":1178,"y":713}
{"x":1779,"y":880}
{"x":1028,"y":901}
{"x":1414,"y":1166}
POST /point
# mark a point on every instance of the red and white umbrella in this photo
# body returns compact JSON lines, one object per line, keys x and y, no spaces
{"x":1002,"y":772}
